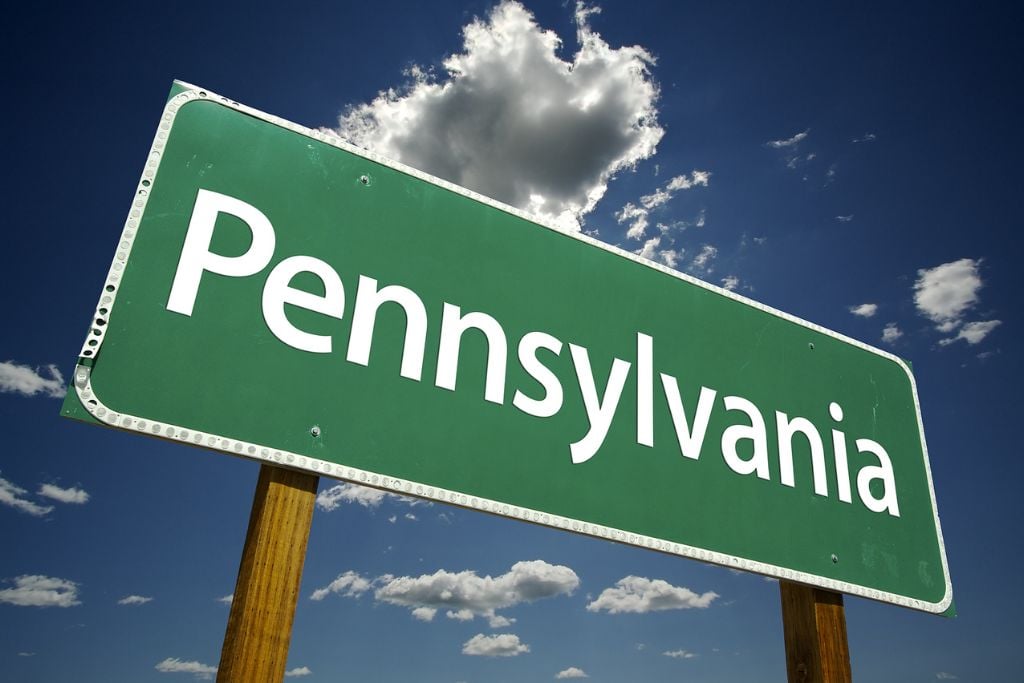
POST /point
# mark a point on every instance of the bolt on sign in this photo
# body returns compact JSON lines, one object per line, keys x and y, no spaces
{"x":283,"y":296}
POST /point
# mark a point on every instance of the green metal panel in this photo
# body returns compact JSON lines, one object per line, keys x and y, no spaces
{"x":220,"y":375}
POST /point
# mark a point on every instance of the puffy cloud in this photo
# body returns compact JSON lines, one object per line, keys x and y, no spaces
{"x":466,"y":594}
{"x":134,"y":600}
{"x":424,"y":613}
{"x":501,"y":645}
{"x":640,"y":595}
{"x":41,"y":591}
{"x":12,"y":495}
{"x":571,"y":672}
{"x":788,"y":142}
{"x":679,"y":654}
{"x":72,"y":495}
{"x":891,"y":333}
{"x":561,"y":129}
{"x":298,"y":671}
{"x":944,"y":293}
{"x":973,"y":333}
{"x":864,"y":310}
{"x":349,"y":584}
{"x":174,"y":665}
{"x":332,"y":498}
{"x":499,"y":621}
{"x":21,"y":379}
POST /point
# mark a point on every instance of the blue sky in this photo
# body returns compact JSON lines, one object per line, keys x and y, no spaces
{"x":856,"y":167}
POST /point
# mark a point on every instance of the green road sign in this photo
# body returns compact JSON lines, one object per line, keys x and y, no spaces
{"x":280,"y":295}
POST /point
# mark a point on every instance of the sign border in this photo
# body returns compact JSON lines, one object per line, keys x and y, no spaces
{"x":132,"y":423}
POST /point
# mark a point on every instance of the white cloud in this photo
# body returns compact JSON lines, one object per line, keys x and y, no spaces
{"x":501,"y":645}
{"x":944,"y":293}
{"x":134,"y":600}
{"x":41,"y":591}
{"x":349,"y":584}
{"x":465,"y":593}
{"x":174,"y":665}
{"x":788,"y":142}
{"x":11,"y":495}
{"x":891,"y":333}
{"x":973,"y":333}
{"x":640,"y":595}
{"x":845,"y":219}
{"x":21,"y":379}
{"x":227,"y":599}
{"x":72,"y":495}
{"x":560,"y":129}
{"x":571,"y":672}
{"x":864,"y":310}
{"x":679,"y":654}
{"x":702,"y":261}
{"x":637,"y":216}
{"x":944,"y":676}
{"x":332,"y":498}
{"x":424,"y":613}
{"x":411,"y":517}
{"x":730,"y":282}
{"x":298,"y":671}
{"x":867,"y":137}
{"x":499,"y":621}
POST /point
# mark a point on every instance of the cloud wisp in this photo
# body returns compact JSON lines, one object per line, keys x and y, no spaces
{"x":864,"y":310}
{"x":22,"y":379}
{"x":203,"y":672}
{"x":560,"y":128}
{"x":571,"y":672}
{"x":13,"y":496}
{"x":134,"y":600}
{"x":332,"y":498}
{"x":71,"y":496}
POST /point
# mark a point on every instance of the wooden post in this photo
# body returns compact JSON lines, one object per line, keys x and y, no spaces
{"x":260,"y":624}
{"x":814,"y":625}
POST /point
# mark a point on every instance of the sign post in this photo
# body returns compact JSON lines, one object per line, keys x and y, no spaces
{"x":814,"y":627}
{"x":260,"y":623}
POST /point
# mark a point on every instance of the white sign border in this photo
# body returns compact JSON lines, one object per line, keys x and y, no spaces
{"x":127,"y":422}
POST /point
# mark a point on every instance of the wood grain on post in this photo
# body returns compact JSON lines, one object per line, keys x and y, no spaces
{"x":814,"y":625}
{"x":260,"y":624}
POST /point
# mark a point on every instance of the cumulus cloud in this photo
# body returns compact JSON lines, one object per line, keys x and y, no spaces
{"x":298,"y":671}
{"x":788,"y":142}
{"x":499,"y":621}
{"x":41,"y":591}
{"x":332,"y":498}
{"x":944,"y":293}
{"x":652,"y":250}
{"x":174,"y":665}
{"x":12,"y":495}
{"x":501,"y":645}
{"x":571,"y":672}
{"x":864,"y":310}
{"x":21,"y":379}
{"x":134,"y":600}
{"x":891,"y":333}
{"x":679,"y":654}
{"x":560,"y":129}
{"x":424,"y":613}
{"x":465,"y":592}
{"x":350,"y":584}
{"x":640,"y":595}
{"x":973,"y":333}
{"x":72,"y":495}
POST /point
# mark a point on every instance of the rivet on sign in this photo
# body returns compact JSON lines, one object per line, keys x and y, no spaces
{"x":364,"y":179}
{"x":315,"y":430}
{"x":835,"y":558}
{"x":811,"y":346}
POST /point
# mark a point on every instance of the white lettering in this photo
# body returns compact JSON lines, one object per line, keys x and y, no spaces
{"x":453,"y":325}
{"x":599,"y":411}
{"x":552,"y":401}
{"x":278,"y":291}
{"x":690,"y":441}
{"x":368,"y":300}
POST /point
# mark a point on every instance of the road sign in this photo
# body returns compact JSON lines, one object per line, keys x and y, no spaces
{"x":281,"y":295}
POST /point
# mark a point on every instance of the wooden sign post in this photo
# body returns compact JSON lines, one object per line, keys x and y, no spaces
{"x":814,"y":626}
{"x":260,"y":624}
